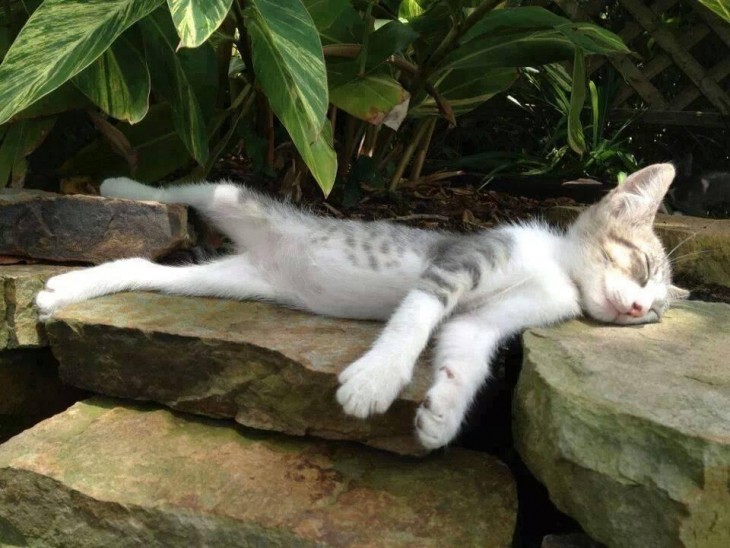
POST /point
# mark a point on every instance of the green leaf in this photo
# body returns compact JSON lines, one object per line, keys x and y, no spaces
{"x":118,"y":82}
{"x":196,"y":20}
{"x":60,"y":39}
{"x":511,"y":24}
{"x":519,"y":49}
{"x":510,"y":20}
{"x":62,"y":99}
{"x":182,"y":78}
{"x":410,"y":8}
{"x":720,"y":7}
{"x":21,"y":138}
{"x":159,"y":151}
{"x":289,"y":66}
{"x":465,"y":90}
{"x":369,"y":98}
{"x":593,"y":39}
{"x":393,"y":37}
{"x":336,"y":20}
{"x":576,"y":140}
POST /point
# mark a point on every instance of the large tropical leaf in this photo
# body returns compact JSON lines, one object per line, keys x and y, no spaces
{"x":159,"y":151}
{"x":118,"y":82}
{"x":196,"y":20}
{"x":67,"y":97}
{"x":465,"y":90}
{"x":518,"y":49}
{"x":392,"y":37}
{"x":720,"y":7}
{"x":529,"y":36}
{"x":336,"y":20}
{"x":60,"y":39}
{"x":21,"y":138}
{"x":181,"y":78}
{"x":369,"y":98}
{"x":289,"y":67}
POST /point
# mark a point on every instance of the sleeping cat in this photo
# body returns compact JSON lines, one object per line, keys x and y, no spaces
{"x":474,"y":289}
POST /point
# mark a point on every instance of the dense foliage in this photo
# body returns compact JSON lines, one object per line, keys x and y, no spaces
{"x":175,"y":84}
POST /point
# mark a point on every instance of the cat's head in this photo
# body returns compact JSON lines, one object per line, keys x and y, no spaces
{"x":619,"y":264}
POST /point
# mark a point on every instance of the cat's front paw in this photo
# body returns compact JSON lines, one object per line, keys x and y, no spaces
{"x":440,"y":415}
{"x":371,"y":384}
{"x":60,"y":291}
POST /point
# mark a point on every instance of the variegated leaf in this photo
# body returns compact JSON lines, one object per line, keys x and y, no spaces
{"x":336,"y":20}
{"x":720,"y":7}
{"x":186,"y":79}
{"x":196,"y":20}
{"x":465,"y":90}
{"x":60,"y":39}
{"x":369,"y":98}
{"x":118,"y":82}
{"x":289,"y":67}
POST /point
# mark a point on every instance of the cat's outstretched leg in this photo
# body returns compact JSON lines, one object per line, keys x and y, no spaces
{"x":371,"y":384}
{"x":230,"y":277}
{"x":236,"y":210}
{"x":466,"y":345}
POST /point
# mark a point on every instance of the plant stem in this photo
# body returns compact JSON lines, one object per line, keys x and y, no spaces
{"x":408,"y":154}
{"x":421,"y":156}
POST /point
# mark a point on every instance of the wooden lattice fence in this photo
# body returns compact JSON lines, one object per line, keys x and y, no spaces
{"x":684,"y":79}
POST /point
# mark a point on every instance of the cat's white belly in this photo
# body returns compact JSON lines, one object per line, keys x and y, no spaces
{"x":326,"y":281}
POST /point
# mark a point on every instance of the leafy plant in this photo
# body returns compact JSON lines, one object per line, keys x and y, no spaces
{"x":577,"y":140}
{"x":175,"y":84}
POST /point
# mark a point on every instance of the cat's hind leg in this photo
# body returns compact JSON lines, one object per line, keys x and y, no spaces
{"x":237,"y":211}
{"x":231,"y":277}
{"x":465,"y":347}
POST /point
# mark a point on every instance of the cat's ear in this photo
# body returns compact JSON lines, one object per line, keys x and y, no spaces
{"x":641,"y":194}
{"x":678,"y":293}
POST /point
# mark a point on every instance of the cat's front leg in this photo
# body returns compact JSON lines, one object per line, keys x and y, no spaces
{"x":371,"y":384}
{"x":461,"y":365}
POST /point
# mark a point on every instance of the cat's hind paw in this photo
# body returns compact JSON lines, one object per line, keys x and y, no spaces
{"x":439,"y":417}
{"x":370,"y":385}
{"x":123,"y":187}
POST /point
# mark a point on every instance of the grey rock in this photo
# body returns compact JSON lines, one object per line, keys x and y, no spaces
{"x":103,"y":474}
{"x":19,"y":324}
{"x":629,"y":427}
{"x":90,"y":229}
{"x":266,"y":366}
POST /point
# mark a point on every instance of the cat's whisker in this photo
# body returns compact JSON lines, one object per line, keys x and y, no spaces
{"x":681,"y":243}
{"x":674,"y":260}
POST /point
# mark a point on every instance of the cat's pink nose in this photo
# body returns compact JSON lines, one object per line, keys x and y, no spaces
{"x":636,"y":310}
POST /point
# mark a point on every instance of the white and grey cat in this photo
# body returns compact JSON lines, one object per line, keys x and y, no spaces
{"x":476,"y":289}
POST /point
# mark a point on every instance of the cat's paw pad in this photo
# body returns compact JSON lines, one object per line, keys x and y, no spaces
{"x":370,"y":385}
{"x":123,"y":187}
{"x":439,"y":417}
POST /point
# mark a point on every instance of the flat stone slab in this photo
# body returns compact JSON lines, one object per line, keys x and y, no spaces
{"x":702,"y":245}
{"x":266,"y":366}
{"x":110,"y":475}
{"x":19,"y":324}
{"x":629,"y":427}
{"x":90,"y":229}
